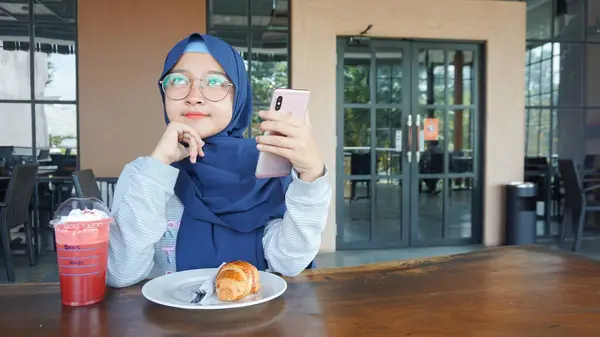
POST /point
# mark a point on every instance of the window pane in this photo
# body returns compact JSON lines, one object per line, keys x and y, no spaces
{"x":55,"y":63}
{"x":270,"y":14}
{"x":15,"y":129}
{"x":593,"y":74}
{"x":461,"y":142}
{"x":431,"y":76}
{"x":388,"y":86}
{"x":269,"y":64}
{"x":533,"y":132}
{"x":230,"y":14}
{"x":356,"y":211}
{"x":357,"y":68}
{"x":539,"y":19}
{"x":357,"y":141}
{"x":56,"y":129}
{"x":570,"y":133}
{"x":569,"y":20}
{"x":14,"y":62}
{"x":14,"y":10}
{"x":461,"y":83}
{"x":255,"y":129}
{"x":237,"y":39}
{"x":568,"y":73}
{"x":388,"y":134}
{"x":60,"y":11}
{"x":593,"y":20}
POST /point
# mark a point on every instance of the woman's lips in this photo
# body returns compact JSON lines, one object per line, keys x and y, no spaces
{"x":195,"y":115}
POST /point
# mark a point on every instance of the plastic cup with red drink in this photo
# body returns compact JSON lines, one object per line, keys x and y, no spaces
{"x":82,"y":228}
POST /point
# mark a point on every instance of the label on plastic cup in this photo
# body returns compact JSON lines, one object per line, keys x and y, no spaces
{"x":82,"y":252}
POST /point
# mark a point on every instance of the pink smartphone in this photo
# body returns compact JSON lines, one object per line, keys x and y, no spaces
{"x":286,"y":101}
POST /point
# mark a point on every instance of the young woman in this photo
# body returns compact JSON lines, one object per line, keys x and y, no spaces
{"x":196,"y":206}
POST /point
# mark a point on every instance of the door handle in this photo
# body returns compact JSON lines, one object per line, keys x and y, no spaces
{"x":419,"y":130}
{"x":409,"y":125}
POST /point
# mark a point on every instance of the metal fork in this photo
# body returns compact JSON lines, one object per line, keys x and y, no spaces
{"x":198,"y":295}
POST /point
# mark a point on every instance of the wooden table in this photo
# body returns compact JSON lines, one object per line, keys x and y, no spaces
{"x":496,"y":292}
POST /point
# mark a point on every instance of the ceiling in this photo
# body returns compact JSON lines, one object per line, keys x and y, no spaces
{"x":270,"y":23}
{"x":51,"y":11}
{"x":55,"y":23}
{"x":55,"y":30}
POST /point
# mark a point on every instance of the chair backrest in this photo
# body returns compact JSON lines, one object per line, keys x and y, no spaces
{"x":571,"y":184}
{"x":18,"y":196}
{"x":86,"y":185}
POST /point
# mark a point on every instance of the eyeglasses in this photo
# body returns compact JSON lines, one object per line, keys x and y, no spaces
{"x":214,"y":87}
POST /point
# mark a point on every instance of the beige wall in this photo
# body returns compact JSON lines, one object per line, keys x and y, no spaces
{"x":316,"y":23}
{"x":122,"y":45}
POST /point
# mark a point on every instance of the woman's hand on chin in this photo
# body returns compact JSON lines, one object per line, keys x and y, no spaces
{"x":293,"y":140}
{"x":170,"y":148}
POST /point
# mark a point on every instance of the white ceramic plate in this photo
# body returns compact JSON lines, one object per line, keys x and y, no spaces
{"x":176,"y":290}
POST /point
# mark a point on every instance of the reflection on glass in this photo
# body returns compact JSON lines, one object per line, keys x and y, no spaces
{"x":270,"y":14}
{"x":460,"y":206}
{"x":357,"y":141}
{"x":388,"y":208}
{"x":461,"y":80}
{"x":256,"y":120}
{"x":568,"y":74}
{"x":59,"y":11}
{"x":237,"y":39}
{"x":431,"y":76}
{"x":15,"y":125}
{"x":570,"y":133}
{"x":431,"y":142}
{"x":593,"y":74}
{"x":14,"y":62}
{"x":554,"y":130}
{"x":593,"y":21}
{"x":569,"y":19}
{"x":388,"y":130}
{"x":533,"y":132}
{"x":431,"y":208}
{"x":55,"y":63}
{"x":56,"y":126}
{"x":538,"y":132}
{"x":269,"y":64}
{"x":357,"y":67}
{"x":592,"y":134}
{"x":460,"y":141}
{"x":223,"y":14}
{"x":357,"y":210}
{"x":389,"y":77}
{"x":539,"y":19}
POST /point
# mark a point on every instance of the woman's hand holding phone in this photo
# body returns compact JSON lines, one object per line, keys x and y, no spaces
{"x":294,"y":141}
{"x":170,"y":149}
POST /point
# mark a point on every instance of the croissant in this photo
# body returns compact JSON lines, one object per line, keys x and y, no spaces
{"x":236,"y":280}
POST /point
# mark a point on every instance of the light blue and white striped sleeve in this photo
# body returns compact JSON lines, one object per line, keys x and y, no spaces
{"x":291,"y":243}
{"x":139,"y":208}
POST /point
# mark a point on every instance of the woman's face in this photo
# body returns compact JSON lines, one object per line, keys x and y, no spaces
{"x":208,"y":114}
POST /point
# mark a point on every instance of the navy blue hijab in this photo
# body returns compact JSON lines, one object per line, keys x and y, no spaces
{"x":226,"y":206}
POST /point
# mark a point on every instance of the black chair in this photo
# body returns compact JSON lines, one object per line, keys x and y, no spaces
{"x":14,"y":211}
{"x":576,"y":200}
{"x":86,"y":185}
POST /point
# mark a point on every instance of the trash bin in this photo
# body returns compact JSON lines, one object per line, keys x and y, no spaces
{"x":521,"y":216}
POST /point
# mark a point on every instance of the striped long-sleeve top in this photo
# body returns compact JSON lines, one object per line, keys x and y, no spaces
{"x":147,"y":215}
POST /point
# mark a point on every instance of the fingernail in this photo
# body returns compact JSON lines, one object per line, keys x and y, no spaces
{"x":258,"y":146}
{"x":261,"y":113}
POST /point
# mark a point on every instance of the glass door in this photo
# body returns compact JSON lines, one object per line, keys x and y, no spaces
{"x":407,"y":169}
{"x":374,"y":101}
{"x":445,"y":170}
